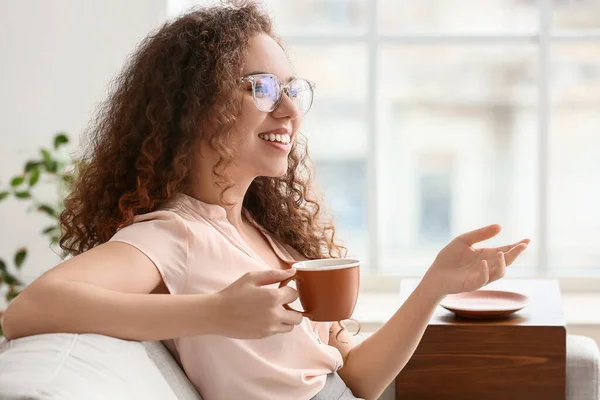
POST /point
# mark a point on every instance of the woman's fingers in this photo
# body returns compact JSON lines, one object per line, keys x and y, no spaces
{"x":289,"y":320}
{"x":510,"y":246}
{"x":503,"y":260}
{"x":511,"y":255}
{"x":479,"y":235}
{"x":287,"y":295}
{"x":499,"y":267}
{"x":485,"y":273}
{"x":291,"y":317}
{"x":285,"y":328}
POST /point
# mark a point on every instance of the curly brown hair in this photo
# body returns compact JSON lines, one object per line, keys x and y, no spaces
{"x":179,"y":81}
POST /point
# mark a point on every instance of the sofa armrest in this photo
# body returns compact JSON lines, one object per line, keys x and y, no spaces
{"x":583,"y":368}
{"x":74,"y":367}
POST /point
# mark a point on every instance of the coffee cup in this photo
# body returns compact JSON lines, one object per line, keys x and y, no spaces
{"x":327,"y":288}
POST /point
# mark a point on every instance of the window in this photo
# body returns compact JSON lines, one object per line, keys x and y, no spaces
{"x":435,"y":117}
{"x":435,"y":199}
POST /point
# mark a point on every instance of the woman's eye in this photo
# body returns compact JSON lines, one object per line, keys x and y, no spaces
{"x":294,"y":92}
{"x":260,"y":91}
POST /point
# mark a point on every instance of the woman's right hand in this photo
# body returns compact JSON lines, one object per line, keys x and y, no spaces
{"x":248,"y":310}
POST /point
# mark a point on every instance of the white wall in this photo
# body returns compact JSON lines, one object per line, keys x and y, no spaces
{"x":56,"y":59}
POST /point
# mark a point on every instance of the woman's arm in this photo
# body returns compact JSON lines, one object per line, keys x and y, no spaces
{"x":106,"y":290}
{"x":370,"y":366}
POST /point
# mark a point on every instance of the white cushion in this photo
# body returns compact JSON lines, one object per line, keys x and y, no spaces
{"x":75,"y":367}
{"x":583,"y":368}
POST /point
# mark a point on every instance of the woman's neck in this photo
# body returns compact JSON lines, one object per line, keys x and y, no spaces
{"x":205,"y":187}
{"x":208,"y":191}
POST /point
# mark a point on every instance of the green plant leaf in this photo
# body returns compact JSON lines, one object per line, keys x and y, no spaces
{"x":31,"y":165}
{"x":49,"y":162}
{"x":17,"y":180}
{"x":45,"y":208}
{"x":46,"y":154}
{"x":10,"y":280}
{"x":49,"y":229}
{"x":20,"y":256}
{"x":52,"y":167}
{"x":35,"y":176}
{"x":23,"y":195}
{"x":2,"y":266}
{"x":3,"y":195}
{"x":60,"y":139}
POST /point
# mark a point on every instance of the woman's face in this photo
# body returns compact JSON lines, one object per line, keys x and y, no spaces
{"x":257,"y":154}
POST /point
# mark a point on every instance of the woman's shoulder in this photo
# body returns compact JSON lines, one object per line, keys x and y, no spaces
{"x":175,"y":210}
{"x":171,"y":218}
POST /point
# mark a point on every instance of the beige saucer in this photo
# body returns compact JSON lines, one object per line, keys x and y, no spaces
{"x":485,"y":303}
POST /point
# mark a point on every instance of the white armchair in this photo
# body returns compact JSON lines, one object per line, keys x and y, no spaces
{"x":95,"y":367}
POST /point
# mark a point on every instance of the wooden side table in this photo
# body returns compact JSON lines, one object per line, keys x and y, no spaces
{"x":519,"y":358}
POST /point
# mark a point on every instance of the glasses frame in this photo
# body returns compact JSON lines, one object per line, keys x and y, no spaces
{"x":285,"y":89}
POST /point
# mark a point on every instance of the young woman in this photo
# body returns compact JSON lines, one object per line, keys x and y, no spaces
{"x":193,"y":204}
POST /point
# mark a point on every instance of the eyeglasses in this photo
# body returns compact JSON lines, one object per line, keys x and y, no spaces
{"x":267,"y":92}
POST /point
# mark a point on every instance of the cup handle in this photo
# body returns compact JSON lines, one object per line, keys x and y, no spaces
{"x":286,"y":306}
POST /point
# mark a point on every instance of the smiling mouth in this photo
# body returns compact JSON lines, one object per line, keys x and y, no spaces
{"x":279,"y":138}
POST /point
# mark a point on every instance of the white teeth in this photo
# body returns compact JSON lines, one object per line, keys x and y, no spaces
{"x":271,"y":137}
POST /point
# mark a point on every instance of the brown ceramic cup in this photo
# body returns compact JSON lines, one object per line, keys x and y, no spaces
{"x":328,"y":289}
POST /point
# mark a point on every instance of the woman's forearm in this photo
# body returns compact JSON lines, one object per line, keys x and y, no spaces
{"x":79,"y":307}
{"x":373,"y":364}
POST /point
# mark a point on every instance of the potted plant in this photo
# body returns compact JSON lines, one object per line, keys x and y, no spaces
{"x":53,"y":167}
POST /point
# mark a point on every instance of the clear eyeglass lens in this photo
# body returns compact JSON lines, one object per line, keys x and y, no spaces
{"x":301,"y":94}
{"x":267,"y":90}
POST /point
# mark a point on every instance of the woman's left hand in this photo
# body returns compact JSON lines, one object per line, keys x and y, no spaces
{"x":461,"y":268}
